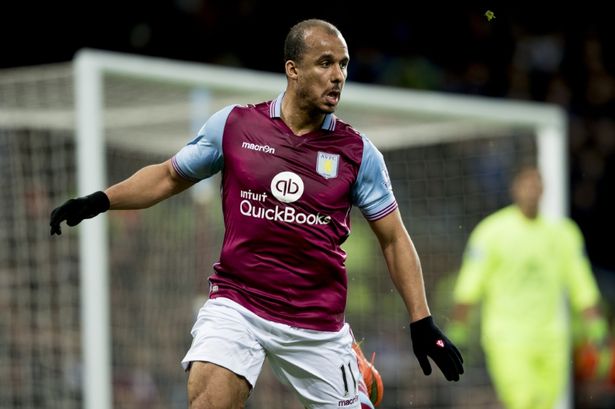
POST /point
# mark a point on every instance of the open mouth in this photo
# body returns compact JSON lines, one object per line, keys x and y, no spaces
{"x":333,"y":97}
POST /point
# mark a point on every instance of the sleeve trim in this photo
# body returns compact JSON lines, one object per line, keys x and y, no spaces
{"x":382,"y":213}
{"x":180,"y":172}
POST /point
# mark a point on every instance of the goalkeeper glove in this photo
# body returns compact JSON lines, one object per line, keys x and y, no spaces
{"x":596,"y":330}
{"x":429,"y":341}
{"x":77,"y":209}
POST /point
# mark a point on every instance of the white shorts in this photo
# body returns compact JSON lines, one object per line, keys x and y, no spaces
{"x":319,"y":365}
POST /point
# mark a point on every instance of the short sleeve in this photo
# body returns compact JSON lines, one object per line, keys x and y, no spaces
{"x":372,"y":191}
{"x":203,"y":157}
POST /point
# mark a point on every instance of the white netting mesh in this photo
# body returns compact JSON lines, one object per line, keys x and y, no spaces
{"x":39,"y":324}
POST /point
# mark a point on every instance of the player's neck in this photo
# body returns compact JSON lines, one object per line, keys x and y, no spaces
{"x":530,"y":212}
{"x":300,"y":121}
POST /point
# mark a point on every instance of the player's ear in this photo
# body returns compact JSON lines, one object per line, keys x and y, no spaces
{"x":291,"y":69}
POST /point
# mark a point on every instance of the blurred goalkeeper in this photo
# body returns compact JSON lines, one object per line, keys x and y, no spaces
{"x":523,"y":268}
{"x":291,"y":173}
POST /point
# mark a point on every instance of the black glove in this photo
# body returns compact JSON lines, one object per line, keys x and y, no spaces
{"x":428,"y":340}
{"x":75,"y":210}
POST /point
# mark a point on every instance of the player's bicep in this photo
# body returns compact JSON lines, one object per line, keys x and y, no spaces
{"x":388,"y":228}
{"x":177,"y":182}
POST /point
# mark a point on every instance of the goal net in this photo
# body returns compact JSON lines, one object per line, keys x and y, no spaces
{"x":101,"y":316}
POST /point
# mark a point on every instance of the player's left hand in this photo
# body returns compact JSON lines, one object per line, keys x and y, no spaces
{"x":429,"y":341}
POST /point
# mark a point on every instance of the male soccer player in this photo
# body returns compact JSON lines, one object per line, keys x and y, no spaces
{"x":291,"y":171}
{"x":523,"y":267}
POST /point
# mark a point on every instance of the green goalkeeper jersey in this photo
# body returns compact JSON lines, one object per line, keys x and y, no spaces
{"x":523,"y":272}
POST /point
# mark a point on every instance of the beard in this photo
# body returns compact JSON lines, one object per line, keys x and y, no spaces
{"x":312,"y":104}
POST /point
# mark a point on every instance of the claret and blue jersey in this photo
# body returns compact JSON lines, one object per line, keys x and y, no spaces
{"x":286,"y":201}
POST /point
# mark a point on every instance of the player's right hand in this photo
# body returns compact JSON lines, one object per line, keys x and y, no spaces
{"x":77,"y":209}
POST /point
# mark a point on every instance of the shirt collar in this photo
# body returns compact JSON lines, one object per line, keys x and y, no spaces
{"x":275,"y":111}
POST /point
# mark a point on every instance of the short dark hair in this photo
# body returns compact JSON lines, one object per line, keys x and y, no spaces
{"x":294,"y":45}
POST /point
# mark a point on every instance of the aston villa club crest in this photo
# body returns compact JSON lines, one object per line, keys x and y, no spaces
{"x":326,"y":164}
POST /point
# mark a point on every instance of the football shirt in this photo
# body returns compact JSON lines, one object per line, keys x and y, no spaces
{"x":286,"y":201}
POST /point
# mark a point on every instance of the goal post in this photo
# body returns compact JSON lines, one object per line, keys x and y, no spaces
{"x":93,"y":237}
{"x":123,"y":111}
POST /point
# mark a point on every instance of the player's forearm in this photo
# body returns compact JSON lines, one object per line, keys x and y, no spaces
{"x":403,"y":263}
{"x":146,"y":187}
{"x":405,"y":270}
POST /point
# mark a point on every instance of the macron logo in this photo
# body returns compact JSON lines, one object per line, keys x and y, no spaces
{"x":258,"y":148}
